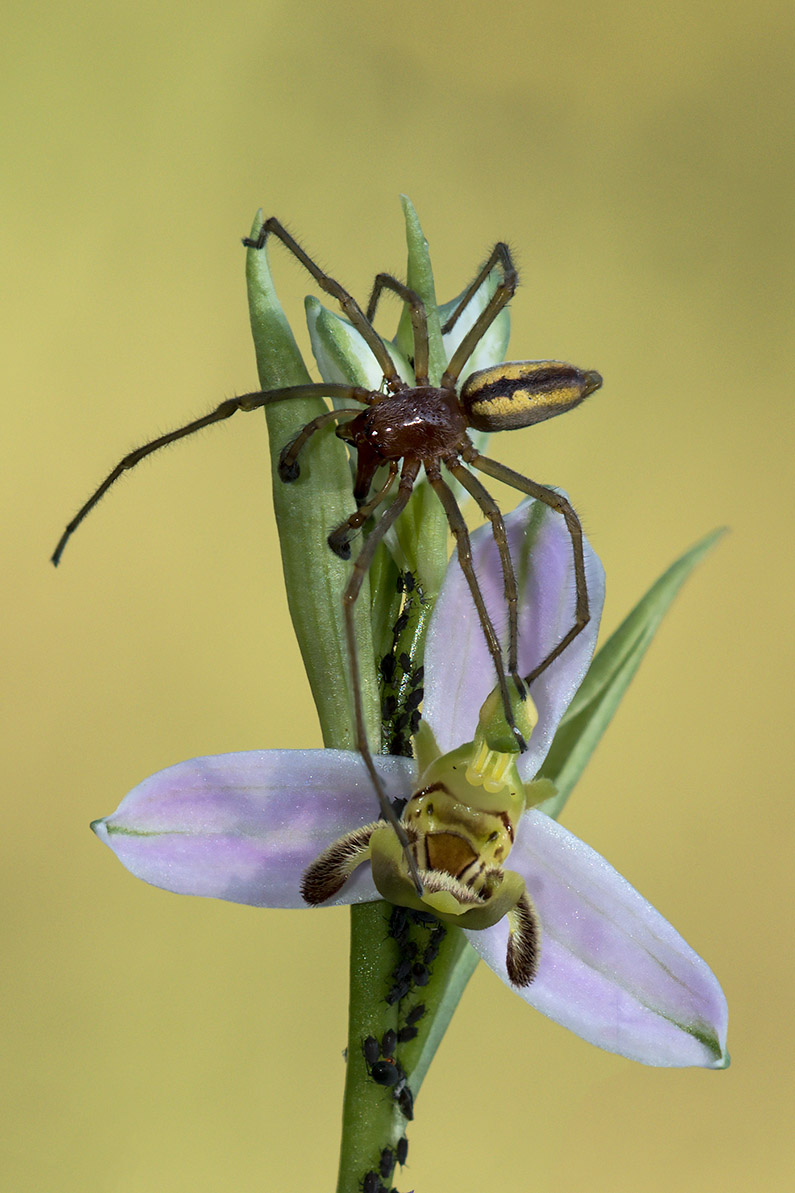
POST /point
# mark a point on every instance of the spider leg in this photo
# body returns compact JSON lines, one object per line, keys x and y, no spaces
{"x":459,"y":529}
{"x":360,"y":568}
{"x":339,"y":539}
{"x":562,"y":506}
{"x":501,"y":257}
{"x":492,"y":511}
{"x":500,"y":253}
{"x":331,"y":286}
{"x":419,"y":319}
{"x":288,"y":457}
{"x":226,"y":409}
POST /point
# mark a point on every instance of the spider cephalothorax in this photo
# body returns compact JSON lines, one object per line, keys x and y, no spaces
{"x":421,"y":426}
{"x":420,"y":423}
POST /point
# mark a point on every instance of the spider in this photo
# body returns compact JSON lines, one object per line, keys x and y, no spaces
{"x":407,"y":428}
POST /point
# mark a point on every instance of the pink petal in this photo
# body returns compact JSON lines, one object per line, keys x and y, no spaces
{"x":245,"y":826}
{"x":459,"y":673}
{"x":612,"y":969}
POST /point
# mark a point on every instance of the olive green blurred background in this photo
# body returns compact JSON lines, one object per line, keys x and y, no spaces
{"x":639,"y":160}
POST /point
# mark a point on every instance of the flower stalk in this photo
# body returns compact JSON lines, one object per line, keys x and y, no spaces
{"x":307,"y":510}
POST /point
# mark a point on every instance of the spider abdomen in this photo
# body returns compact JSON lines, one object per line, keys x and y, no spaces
{"x":520,"y":393}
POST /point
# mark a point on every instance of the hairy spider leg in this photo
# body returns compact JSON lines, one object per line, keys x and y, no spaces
{"x":272,"y":227}
{"x":492,"y":511}
{"x":338,"y":540}
{"x":419,"y":319}
{"x":459,"y":528}
{"x":246,"y":402}
{"x":500,"y":256}
{"x":360,"y":569}
{"x":562,"y":506}
{"x":288,"y":456}
{"x":254,"y":401}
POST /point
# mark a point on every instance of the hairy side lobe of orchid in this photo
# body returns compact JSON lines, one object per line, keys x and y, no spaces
{"x":461,"y":824}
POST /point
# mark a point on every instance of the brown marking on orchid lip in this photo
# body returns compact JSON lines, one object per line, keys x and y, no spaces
{"x":429,"y":790}
{"x":449,"y":852}
{"x":506,"y":820}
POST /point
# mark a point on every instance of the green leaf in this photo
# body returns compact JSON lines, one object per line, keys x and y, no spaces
{"x":419,"y":277}
{"x":307,"y":510}
{"x":609,"y":675}
{"x":341,"y":352}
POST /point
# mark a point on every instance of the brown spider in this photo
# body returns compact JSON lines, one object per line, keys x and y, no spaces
{"x":411,"y":427}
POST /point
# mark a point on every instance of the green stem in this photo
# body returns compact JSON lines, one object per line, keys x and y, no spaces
{"x":373,"y":1118}
{"x":375,"y":1115}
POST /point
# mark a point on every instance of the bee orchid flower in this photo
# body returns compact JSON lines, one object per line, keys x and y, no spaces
{"x":247,"y":827}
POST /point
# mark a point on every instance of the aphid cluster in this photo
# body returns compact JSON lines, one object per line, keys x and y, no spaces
{"x":401,"y":681}
{"x":387,"y":1071}
{"x":415,"y":959}
{"x":372,"y":1180}
{"x":372,"y":1184}
{"x":413,"y":970}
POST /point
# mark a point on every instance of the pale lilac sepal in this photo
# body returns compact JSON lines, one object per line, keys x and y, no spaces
{"x":244,"y":827}
{"x":612,"y":969}
{"x":459,"y":672}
